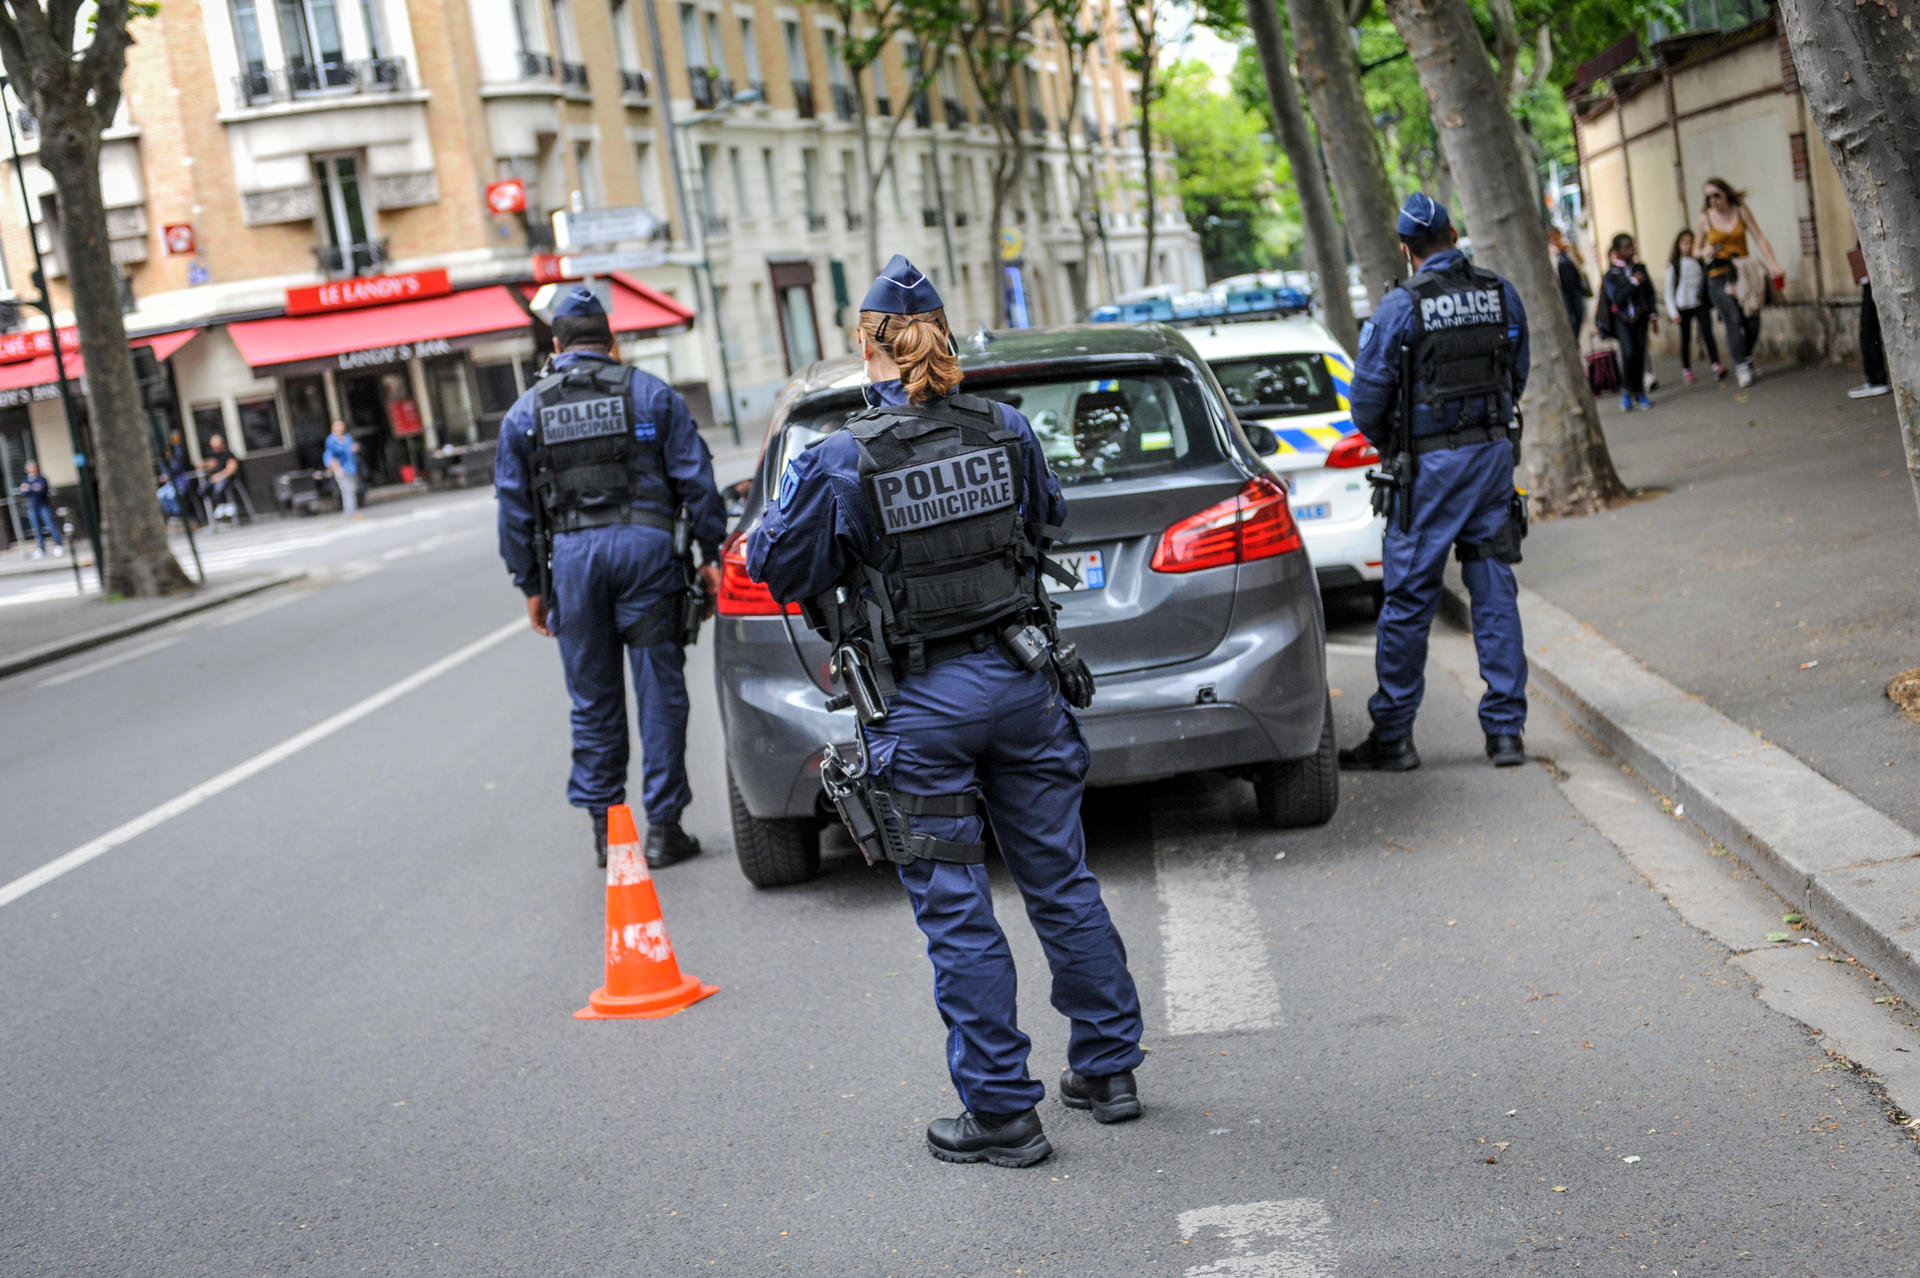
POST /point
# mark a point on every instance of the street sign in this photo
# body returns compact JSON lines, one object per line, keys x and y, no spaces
{"x":508,"y":196}
{"x":579,"y":265}
{"x":369,"y":290}
{"x":179,"y":238}
{"x":1011,"y":244}
{"x":15,"y":347}
{"x":603,"y":226}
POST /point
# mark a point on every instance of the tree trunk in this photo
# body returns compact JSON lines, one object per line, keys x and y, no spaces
{"x":1331,"y":76}
{"x":1146,"y":150}
{"x":871,"y":179}
{"x":133,"y":531}
{"x":1316,"y":206}
{"x":1860,"y":71}
{"x":1572,"y":472}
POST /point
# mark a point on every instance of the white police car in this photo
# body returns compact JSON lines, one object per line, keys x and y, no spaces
{"x":1290,"y":376}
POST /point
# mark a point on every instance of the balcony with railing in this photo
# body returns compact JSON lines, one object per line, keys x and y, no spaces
{"x":816,"y":221}
{"x":845,"y":105}
{"x":1091,"y":127}
{"x":855,"y":220}
{"x":803,"y":98}
{"x":269,"y":85}
{"x":574,"y":75}
{"x":723,"y":89}
{"x":702,"y":84}
{"x":350,"y":259}
{"x":922,"y":111}
{"x":929,"y":217}
{"x":635,"y":84}
{"x":961,"y":217}
{"x":882,"y":104}
{"x":759,"y":88}
{"x":956,"y":112}
{"x":536,"y":66}
{"x":1036,"y":119}
{"x":715,"y":224}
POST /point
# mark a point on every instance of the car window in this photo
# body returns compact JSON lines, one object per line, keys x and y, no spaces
{"x":1091,"y":430}
{"x":1277,"y":385}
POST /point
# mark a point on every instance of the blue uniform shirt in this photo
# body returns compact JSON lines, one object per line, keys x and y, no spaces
{"x":820,"y":521}
{"x":1376,"y":373}
{"x":688,"y":481}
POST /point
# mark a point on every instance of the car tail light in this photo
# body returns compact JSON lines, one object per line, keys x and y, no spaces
{"x":741,"y":595}
{"x":1254,"y":523}
{"x":1352,"y":453}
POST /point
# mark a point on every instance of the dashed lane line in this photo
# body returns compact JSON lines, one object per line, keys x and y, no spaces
{"x":193,"y":798}
{"x":1218,"y":977}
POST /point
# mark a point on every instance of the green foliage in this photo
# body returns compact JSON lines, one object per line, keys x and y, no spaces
{"x":1235,"y":185}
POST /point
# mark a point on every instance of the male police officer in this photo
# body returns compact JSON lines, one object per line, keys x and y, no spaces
{"x":914,"y":535}
{"x":598,"y":457}
{"x":1441,"y":365}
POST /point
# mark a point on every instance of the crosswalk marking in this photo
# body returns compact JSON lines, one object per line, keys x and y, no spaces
{"x":1280,"y":1238}
{"x":1218,"y":978}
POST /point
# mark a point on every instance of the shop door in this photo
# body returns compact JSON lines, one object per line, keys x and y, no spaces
{"x":16,"y":450}
{"x":362,"y":399}
{"x":307,"y":413}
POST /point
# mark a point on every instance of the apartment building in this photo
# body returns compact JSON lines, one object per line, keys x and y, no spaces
{"x":341,"y":208}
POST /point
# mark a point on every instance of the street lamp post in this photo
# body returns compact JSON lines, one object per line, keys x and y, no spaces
{"x":696,"y":233}
{"x":45,"y":305}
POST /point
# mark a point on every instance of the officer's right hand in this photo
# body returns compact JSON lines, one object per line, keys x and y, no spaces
{"x":537,"y":614}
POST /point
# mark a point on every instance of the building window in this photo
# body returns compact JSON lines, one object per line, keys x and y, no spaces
{"x":563,"y":31}
{"x":810,"y":180}
{"x":592,"y":194}
{"x":836,"y":63}
{"x":716,"y":51}
{"x":246,"y":29}
{"x":524,"y":29}
{"x":624,"y":39}
{"x":750,"y":50}
{"x":796,"y":53}
{"x":260,"y":424}
{"x":208,"y":421}
{"x":343,"y":214}
{"x":310,"y":33}
{"x":691,"y":37}
{"x":370,"y":17}
{"x":738,"y":173}
{"x":773,"y":186}
{"x":452,"y":400}
{"x":708,"y":175}
{"x":802,"y":334}
{"x":643,"y":161}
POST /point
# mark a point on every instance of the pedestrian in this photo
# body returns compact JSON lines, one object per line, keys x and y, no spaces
{"x":1725,"y":234}
{"x":340,"y":456}
{"x":975,"y":730}
{"x":1574,"y":289}
{"x":1873,"y":354}
{"x":1687,"y":306}
{"x":1463,"y":334}
{"x":599,"y":457}
{"x":221,"y":467}
{"x":40,"y":512}
{"x":181,"y":474}
{"x":1629,"y":301}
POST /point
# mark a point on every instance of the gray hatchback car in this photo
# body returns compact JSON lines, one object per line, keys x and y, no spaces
{"x":1196,"y":605}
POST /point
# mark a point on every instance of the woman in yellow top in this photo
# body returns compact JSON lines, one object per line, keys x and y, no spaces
{"x":1721,"y":236}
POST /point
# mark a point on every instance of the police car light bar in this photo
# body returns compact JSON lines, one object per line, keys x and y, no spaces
{"x":1242,"y":304}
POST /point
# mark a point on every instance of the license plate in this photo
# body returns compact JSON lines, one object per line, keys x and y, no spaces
{"x":1319,"y":510}
{"x":1087,"y":565}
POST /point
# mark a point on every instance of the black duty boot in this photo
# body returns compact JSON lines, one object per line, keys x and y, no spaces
{"x":669,"y":845}
{"x":599,"y":816}
{"x":1375,"y":755}
{"x":1005,"y":1140}
{"x":1113,"y":1098}
{"x":1506,"y":749}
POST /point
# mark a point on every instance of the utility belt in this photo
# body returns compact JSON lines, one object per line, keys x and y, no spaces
{"x":610,"y":516}
{"x":876,"y":817}
{"x":1424,"y":444}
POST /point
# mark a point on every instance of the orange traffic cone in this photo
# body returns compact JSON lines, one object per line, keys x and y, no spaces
{"x":643,"y":977}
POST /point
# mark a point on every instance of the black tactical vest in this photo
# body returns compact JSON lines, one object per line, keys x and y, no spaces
{"x":944,"y":483}
{"x":1461,"y":351}
{"x":588,"y":463}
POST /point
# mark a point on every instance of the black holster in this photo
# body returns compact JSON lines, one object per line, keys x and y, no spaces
{"x":876,"y":817}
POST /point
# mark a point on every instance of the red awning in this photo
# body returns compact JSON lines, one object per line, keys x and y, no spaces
{"x":40,"y":371}
{"x":393,"y":330}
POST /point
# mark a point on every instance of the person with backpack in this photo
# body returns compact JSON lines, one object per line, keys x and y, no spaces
{"x":1625,"y":313}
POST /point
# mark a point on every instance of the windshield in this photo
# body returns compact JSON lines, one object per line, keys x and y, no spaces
{"x":1091,"y":430}
{"x":1277,"y":385}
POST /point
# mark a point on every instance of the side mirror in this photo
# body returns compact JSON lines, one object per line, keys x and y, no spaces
{"x":1265,"y":442}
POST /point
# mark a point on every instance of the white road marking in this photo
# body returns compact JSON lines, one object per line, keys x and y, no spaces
{"x":1350,"y":649}
{"x":1218,"y":978}
{"x":259,"y":763}
{"x":106,"y":663}
{"x":1284,"y":1238}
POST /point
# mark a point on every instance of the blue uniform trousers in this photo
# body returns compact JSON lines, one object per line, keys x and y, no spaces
{"x":1459,"y":494}
{"x":977,"y":723}
{"x":604,"y":580}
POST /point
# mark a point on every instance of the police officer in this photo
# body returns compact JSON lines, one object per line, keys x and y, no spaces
{"x":933,"y":507}
{"x":1441,"y":366}
{"x":600,"y":456}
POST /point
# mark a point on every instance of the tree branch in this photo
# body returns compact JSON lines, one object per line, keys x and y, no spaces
{"x":1357,"y":10}
{"x":105,"y":60}
{"x":1506,"y":45}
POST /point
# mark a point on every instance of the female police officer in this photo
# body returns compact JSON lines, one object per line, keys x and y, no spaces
{"x":927,"y":514}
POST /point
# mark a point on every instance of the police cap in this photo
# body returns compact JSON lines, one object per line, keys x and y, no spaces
{"x":902,"y":290}
{"x":579,"y":303}
{"x":1422,"y":216}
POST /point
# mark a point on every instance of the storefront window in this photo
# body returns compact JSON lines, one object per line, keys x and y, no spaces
{"x":452,"y":400}
{"x":208,"y":421}
{"x":260,"y":424}
{"x":498,"y":389}
{"x":307,"y":412}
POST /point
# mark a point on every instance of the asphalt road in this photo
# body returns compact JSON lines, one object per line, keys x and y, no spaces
{"x":320,"y":1019}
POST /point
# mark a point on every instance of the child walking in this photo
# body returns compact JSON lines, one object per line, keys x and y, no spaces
{"x":1688,"y":307}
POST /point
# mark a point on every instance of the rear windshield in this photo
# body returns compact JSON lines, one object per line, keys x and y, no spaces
{"x":1277,"y":385}
{"x":1091,"y":430}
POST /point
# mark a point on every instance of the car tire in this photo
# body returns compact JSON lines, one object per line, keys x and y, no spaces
{"x":1299,"y":792}
{"x":773,"y":852}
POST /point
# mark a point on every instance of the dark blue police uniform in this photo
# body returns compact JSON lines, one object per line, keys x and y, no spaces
{"x":608,"y":579}
{"x":973,"y":722}
{"x":1462,"y":494}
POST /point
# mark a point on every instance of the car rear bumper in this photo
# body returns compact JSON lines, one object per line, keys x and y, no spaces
{"x":1258,"y":697}
{"x":1346,"y":552}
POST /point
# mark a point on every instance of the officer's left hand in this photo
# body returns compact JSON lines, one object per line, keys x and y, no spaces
{"x":710,"y":573}
{"x":537,"y":614}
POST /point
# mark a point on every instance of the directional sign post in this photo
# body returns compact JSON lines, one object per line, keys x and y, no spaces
{"x":583,"y":264}
{"x":592,"y":228}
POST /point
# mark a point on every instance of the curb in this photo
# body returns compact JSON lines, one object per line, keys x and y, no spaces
{"x":1851,"y":870}
{"x":14,"y":663}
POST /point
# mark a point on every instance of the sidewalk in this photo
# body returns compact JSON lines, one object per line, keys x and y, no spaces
{"x":38,"y":633}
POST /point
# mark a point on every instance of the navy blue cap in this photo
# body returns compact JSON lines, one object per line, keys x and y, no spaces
{"x":1422,"y":215}
{"x":902,"y":290}
{"x":579,"y":302}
